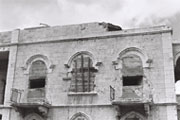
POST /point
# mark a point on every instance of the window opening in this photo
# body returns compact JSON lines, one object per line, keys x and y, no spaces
{"x":177,"y":70}
{"x":132,"y":70}
{"x":38,"y":83}
{"x":132,"y":119}
{"x":132,"y":80}
{"x":83,"y":74}
{"x":4,"y":58}
{"x":37,"y":76}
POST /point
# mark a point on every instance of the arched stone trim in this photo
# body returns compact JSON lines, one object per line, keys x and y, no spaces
{"x":80,"y":114}
{"x":96,"y":63}
{"x":176,"y":58}
{"x":38,"y":117}
{"x":34,"y":58}
{"x":133,"y":113}
{"x":132,"y":51}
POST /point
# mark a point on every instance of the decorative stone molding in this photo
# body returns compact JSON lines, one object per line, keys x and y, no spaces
{"x":82,"y":93}
{"x":33,"y":116}
{"x":96,"y":63}
{"x":147,"y":109}
{"x":80,"y":114}
{"x":118,"y":112}
{"x":133,"y":113}
{"x":34,"y":58}
{"x":132,"y":51}
{"x":2,"y":49}
{"x":176,"y":58}
{"x":43,"y":110}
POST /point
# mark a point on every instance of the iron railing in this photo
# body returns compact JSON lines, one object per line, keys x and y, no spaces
{"x":112,"y":93}
{"x":16,"y":95}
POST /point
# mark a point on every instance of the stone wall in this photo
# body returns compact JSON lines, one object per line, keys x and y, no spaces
{"x":57,"y":45}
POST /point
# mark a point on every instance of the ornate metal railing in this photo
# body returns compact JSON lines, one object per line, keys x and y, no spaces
{"x":112,"y":93}
{"x":16,"y":95}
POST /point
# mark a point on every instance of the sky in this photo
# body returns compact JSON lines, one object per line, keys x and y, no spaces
{"x":125,"y":13}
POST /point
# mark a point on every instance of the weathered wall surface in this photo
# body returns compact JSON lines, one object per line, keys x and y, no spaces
{"x":59,"y":44}
{"x":104,"y":49}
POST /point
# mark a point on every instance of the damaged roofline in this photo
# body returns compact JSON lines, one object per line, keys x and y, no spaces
{"x":123,"y":33}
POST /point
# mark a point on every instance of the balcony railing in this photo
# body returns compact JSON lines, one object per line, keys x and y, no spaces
{"x":112,"y":93}
{"x":28,"y":96}
{"x":16,"y":95}
{"x":130,"y":95}
{"x":30,"y":100}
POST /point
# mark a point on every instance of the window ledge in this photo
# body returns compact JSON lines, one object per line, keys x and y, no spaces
{"x":82,"y":93}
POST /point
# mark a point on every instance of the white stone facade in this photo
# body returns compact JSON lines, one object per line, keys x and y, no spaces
{"x":153,"y":99}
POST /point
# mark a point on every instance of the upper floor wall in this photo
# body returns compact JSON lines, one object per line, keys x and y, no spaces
{"x":56,"y":48}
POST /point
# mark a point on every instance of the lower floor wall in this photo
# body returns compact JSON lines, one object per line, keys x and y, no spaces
{"x":178,"y":113}
{"x":105,"y":112}
{"x":5,"y":113}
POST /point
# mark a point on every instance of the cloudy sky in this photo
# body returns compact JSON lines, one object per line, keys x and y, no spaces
{"x":125,"y":13}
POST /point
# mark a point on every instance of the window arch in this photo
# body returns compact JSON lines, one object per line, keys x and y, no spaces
{"x":37,"y":74}
{"x":133,"y":116}
{"x":33,"y":116}
{"x":36,"y":57}
{"x":83,"y":73}
{"x":177,"y":74}
{"x":131,"y":62}
{"x":80,"y":116}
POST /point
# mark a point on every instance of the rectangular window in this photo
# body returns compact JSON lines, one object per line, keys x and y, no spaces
{"x":132,"y":80}
{"x":132,"y":119}
{"x":37,"y":83}
{"x":4,"y":58}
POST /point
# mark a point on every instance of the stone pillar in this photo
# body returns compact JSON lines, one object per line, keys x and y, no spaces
{"x":11,"y":71}
{"x":169,"y":80}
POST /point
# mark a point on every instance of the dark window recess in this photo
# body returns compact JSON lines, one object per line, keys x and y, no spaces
{"x":177,"y":70}
{"x":4,"y":58}
{"x":132,"y":70}
{"x":38,"y":83}
{"x":132,"y":118}
{"x":132,"y":80}
{"x":83,"y":74}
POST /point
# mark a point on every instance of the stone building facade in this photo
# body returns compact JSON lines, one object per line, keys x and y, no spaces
{"x":89,"y":71}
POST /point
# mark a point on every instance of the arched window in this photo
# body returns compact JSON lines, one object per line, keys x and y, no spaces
{"x":132,"y":70}
{"x":33,"y":116}
{"x":37,"y":74}
{"x":133,"y":116}
{"x":79,"y":116}
{"x":83,"y":74}
{"x":177,"y":76}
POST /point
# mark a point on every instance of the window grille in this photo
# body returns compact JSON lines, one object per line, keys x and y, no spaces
{"x":83,"y":74}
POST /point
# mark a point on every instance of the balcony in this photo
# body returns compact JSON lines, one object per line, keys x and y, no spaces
{"x":132,"y":98}
{"x":131,"y":95}
{"x":29,"y":100}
